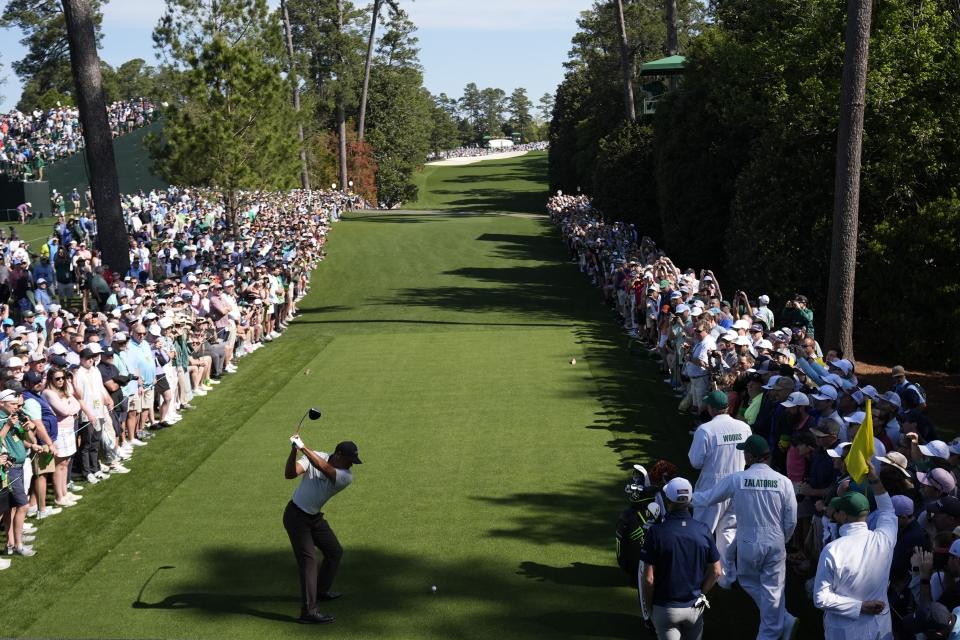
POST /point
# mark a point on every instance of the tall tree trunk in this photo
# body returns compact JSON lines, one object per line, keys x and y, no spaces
{"x":233,"y":207}
{"x":626,"y":65}
{"x":846,"y":199}
{"x":673,"y":42}
{"x":85,"y":65}
{"x":342,"y":134}
{"x":361,"y":128}
{"x":304,"y":167}
{"x":341,"y":111}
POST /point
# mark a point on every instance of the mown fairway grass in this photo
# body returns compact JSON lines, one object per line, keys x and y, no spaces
{"x":493,"y":469}
{"x":515,"y":184}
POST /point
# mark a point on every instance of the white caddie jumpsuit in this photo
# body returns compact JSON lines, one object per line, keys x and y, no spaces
{"x":766,"y":509}
{"x":853,"y":568}
{"x":714,"y":451}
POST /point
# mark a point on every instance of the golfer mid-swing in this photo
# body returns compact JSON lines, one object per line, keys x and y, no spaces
{"x":324,"y":475}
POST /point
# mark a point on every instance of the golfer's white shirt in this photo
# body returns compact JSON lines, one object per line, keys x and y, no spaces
{"x":315,"y":488}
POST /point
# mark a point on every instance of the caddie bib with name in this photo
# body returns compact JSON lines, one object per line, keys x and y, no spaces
{"x":760,"y":484}
{"x":729,"y":438}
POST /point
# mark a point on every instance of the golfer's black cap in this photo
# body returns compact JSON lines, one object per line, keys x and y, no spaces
{"x":348,"y":450}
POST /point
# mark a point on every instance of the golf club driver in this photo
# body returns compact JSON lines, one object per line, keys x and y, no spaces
{"x":640,"y":475}
{"x":313,"y":413}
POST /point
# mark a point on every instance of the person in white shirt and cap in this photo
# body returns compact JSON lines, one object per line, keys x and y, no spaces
{"x":696,"y":366}
{"x":763,"y":310}
{"x":714,"y":452}
{"x":765,"y":505}
{"x":854,"y":570}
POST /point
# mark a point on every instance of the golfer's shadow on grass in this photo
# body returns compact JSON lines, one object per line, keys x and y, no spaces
{"x":211,"y":597}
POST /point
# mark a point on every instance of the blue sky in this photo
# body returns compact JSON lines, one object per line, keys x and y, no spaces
{"x":497,"y":43}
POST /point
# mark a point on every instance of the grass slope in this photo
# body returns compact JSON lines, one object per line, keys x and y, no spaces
{"x":493,"y":468}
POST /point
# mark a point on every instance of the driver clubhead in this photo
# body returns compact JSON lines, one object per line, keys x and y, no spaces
{"x":314,"y":413}
{"x":639,"y":470}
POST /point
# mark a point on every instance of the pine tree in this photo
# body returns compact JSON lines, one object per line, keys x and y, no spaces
{"x":519,"y":106}
{"x":329,"y":33}
{"x":234,"y":128}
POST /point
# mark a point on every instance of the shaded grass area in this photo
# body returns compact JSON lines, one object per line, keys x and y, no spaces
{"x":515,"y":184}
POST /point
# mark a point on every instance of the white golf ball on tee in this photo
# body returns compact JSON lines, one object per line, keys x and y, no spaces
{"x":433,"y":589}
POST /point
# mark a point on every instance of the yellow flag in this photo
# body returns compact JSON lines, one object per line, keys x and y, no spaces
{"x":862,"y":449}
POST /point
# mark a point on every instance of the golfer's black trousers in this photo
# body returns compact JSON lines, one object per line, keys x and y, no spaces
{"x":307,"y":534}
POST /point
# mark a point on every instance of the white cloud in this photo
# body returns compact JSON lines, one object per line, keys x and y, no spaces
{"x":497,"y":15}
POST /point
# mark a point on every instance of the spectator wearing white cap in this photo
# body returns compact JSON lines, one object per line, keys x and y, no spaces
{"x":681,"y":564}
{"x":824,"y":403}
{"x":886,"y":409}
{"x":166,"y":373}
{"x":696,"y":367}
{"x":763,"y":311}
{"x":41,"y":295}
{"x":933,"y":454}
{"x":95,"y":403}
{"x":791,"y":419}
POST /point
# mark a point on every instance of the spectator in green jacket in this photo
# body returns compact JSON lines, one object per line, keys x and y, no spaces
{"x":797,"y":314}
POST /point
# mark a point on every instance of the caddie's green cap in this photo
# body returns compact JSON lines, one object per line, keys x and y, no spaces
{"x":755,"y":445}
{"x":851,"y":503}
{"x":716,"y":399}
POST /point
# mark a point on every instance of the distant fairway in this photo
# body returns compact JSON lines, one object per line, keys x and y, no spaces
{"x":440,"y":343}
{"x":517,"y":184}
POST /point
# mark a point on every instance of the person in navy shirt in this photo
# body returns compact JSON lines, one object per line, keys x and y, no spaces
{"x":681,"y":565}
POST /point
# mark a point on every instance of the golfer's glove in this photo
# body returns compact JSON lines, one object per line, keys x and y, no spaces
{"x":297,"y":441}
{"x":702,"y":602}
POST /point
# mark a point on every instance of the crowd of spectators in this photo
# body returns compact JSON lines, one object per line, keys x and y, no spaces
{"x":30,"y":141}
{"x":878,"y":565}
{"x":94,"y":363}
{"x":476,"y":152}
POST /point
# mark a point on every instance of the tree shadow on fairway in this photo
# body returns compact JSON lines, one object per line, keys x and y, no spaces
{"x":386,"y":594}
{"x":548,"y":289}
{"x":576,"y":573}
{"x":583,"y":514}
{"x":412,"y":217}
{"x":491,"y":199}
{"x":511,"y":246}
